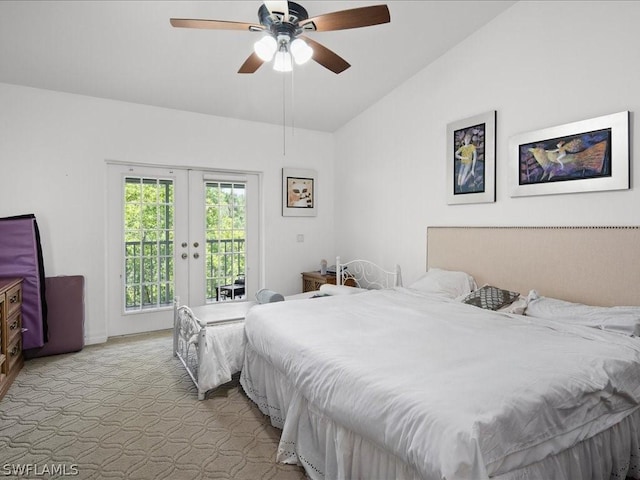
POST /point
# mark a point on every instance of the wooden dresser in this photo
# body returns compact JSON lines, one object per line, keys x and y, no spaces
{"x":11,"y":360}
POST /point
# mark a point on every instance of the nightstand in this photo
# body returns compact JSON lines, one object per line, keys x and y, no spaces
{"x":312,"y":281}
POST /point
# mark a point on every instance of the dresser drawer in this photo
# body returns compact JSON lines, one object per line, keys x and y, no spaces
{"x":14,"y":327}
{"x":14,"y":353}
{"x":11,"y":356}
{"x":14,"y":299}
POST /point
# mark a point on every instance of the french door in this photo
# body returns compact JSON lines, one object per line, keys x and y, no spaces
{"x":182,"y":233}
{"x":225,"y":211}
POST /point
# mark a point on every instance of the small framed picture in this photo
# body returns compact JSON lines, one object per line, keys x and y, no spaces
{"x":585,"y":156}
{"x":471,"y":160}
{"x":298,"y":192}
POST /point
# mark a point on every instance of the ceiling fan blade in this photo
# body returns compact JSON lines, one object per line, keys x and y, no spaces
{"x":354,"y":18}
{"x":278,"y":7}
{"x":251,"y":64}
{"x":326,"y":57}
{"x":214,"y":24}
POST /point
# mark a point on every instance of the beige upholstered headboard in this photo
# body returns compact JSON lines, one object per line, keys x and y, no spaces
{"x":591,"y":265}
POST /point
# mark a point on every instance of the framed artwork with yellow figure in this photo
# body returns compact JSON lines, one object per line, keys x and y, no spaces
{"x":471,"y":160}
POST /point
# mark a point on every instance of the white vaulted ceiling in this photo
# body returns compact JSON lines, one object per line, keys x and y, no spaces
{"x":128,"y":51}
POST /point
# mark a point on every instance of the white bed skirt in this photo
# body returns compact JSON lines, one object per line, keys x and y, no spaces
{"x":329,"y":451}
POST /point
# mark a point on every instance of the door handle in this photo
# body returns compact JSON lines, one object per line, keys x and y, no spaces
{"x":196,"y":255}
{"x":184,"y":256}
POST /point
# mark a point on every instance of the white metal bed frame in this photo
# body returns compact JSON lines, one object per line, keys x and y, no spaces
{"x":189,"y":336}
{"x":366,"y":274}
{"x":189,"y":330}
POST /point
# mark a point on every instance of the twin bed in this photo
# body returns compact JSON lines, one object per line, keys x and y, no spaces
{"x":421,"y":383}
{"x":209,"y":340}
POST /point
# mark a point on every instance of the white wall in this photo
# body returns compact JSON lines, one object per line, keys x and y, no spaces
{"x":53,"y":148}
{"x":539,"y":64}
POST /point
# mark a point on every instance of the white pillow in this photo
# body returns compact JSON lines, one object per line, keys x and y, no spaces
{"x":624,"y":320}
{"x":329,"y":289}
{"x":518,"y":307}
{"x":448,"y":283}
{"x":265,"y":295}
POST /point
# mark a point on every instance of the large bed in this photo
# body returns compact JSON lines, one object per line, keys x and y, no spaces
{"x":414,"y":383}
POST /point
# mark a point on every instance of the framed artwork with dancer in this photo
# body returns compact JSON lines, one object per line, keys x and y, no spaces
{"x":471,"y":159}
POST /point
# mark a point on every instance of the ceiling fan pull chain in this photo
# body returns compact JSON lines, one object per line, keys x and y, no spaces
{"x":293,"y":102}
{"x":284,"y":117}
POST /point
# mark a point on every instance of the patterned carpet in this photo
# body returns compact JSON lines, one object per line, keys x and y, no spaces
{"x":127,"y":409}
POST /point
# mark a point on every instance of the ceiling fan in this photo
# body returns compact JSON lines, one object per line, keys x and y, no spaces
{"x":284,"y":24}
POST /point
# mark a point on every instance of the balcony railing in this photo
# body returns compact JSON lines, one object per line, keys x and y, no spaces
{"x":225,"y":263}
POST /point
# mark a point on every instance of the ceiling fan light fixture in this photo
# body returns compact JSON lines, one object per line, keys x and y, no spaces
{"x":265,"y":47}
{"x":282,"y":22}
{"x":282,"y":63}
{"x":301,"y":52}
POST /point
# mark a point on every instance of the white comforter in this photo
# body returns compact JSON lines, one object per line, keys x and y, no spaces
{"x":452,"y":390}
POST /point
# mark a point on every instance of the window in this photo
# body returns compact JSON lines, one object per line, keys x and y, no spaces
{"x":226,"y":214}
{"x":148,"y":243}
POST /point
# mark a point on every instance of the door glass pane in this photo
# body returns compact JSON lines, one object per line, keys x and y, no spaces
{"x":225,"y":226}
{"x":148,"y":243}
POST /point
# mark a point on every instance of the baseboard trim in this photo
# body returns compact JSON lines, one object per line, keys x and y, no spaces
{"x":94,"y":339}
